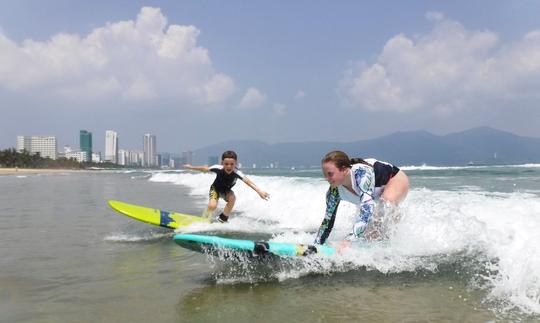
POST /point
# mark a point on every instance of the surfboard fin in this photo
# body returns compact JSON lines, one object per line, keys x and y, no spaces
{"x":311,"y":249}
{"x":261,"y":248}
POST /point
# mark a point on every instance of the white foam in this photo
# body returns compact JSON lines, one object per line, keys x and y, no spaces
{"x":436,"y":228}
{"x":427,"y":167}
{"x":133,"y":237}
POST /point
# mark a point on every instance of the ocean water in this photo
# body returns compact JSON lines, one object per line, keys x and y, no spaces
{"x":464,"y":246}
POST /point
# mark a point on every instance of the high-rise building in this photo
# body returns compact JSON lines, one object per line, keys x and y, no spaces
{"x":149,"y":150}
{"x":23,"y":143}
{"x":111,"y":146}
{"x":46,"y":146}
{"x":165,"y":160}
{"x":123,"y":157}
{"x":85,"y":140}
{"x":136,"y":157}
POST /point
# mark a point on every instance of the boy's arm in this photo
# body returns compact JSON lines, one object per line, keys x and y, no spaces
{"x":201,"y":168}
{"x":262,"y":194}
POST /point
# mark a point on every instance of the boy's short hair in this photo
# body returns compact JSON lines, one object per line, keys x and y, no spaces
{"x":229,"y":154}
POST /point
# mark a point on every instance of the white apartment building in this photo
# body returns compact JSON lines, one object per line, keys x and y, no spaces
{"x":123,"y":157}
{"x":130,"y":157}
{"x":111,"y":146}
{"x":46,"y":146}
{"x":149,"y":150}
{"x":69,"y":153}
{"x":96,"y":158}
{"x":80,"y":156}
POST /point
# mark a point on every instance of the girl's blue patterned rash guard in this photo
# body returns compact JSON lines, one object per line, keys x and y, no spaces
{"x":368,"y":184}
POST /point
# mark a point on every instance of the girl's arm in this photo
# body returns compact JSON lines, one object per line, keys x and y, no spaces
{"x":366,"y":211}
{"x":364,"y":180}
{"x":367,"y":206}
{"x":332,"y":203}
{"x":201,"y":168}
{"x":262,"y":194}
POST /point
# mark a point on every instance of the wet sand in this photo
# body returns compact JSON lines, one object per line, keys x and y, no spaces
{"x":15,"y":171}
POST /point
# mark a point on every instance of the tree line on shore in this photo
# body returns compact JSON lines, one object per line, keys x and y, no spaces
{"x":11,"y":158}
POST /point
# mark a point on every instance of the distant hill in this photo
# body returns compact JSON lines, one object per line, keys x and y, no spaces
{"x":482,"y":145}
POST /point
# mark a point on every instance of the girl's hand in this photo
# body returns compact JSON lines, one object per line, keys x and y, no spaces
{"x":342,"y":246}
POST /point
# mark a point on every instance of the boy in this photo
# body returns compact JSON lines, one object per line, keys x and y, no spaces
{"x":227,"y":173}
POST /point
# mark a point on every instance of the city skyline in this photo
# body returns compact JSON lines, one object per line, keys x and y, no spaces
{"x":43,"y":143}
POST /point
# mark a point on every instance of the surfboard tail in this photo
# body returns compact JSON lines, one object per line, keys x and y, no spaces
{"x":166,"y":219}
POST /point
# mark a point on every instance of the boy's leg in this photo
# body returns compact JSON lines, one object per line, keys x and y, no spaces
{"x":212,"y":203}
{"x":230,"y":198}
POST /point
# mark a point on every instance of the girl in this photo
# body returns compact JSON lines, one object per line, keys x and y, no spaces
{"x":361,"y":182}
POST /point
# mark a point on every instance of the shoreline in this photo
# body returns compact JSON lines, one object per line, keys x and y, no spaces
{"x":24,"y":171}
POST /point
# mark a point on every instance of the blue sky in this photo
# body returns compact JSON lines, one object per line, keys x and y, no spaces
{"x":199,"y":72}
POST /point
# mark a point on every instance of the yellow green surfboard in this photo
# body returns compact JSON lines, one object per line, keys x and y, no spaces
{"x":171,"y":220}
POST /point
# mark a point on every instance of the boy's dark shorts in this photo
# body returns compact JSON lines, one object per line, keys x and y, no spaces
{"x":215,"y":194}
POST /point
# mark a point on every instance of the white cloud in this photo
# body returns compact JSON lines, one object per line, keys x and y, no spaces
{"x":135,"y":60}
{"x":252,"y":99}
{"x":300,"y":95}
{"x":447,"y":70}
{"x":279,"y":109}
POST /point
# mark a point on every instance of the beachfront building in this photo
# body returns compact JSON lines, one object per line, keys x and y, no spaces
{"x":122,"y":157}
{"x":111,"y":146}
{"x":136,"y":157}
{"x":96,"y":157}
{"x":80,"y":156}
{"x":46,"y":146}
{"x":149,"y":149}
{"x":85,"y":144}
{"x":165,"y":160}
{"x":129,"y":157}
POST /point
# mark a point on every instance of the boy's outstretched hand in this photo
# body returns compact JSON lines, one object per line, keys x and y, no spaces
{"x":264,"y":195}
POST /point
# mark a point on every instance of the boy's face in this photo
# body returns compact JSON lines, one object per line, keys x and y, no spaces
{"x":228,"y":165}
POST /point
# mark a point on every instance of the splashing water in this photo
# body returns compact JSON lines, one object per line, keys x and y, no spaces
{"x":493,"y":234}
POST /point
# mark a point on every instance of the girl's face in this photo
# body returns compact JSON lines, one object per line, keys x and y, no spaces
{"x":228,"y":165}
{"x":334,"y":175}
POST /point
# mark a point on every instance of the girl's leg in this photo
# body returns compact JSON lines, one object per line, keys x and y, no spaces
{"x":396,"y":189}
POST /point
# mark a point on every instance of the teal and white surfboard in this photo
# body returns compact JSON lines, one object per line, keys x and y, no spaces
{"x":214,"y":244}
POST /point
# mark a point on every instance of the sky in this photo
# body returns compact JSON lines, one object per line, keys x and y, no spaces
{"x":195,"y":73}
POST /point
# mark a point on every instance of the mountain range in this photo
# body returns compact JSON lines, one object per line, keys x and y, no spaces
{"x":477,"y":146}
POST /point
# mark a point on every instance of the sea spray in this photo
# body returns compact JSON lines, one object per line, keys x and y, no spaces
{"x":493,"y":235}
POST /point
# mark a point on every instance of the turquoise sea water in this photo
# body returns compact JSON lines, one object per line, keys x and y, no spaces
{"x":466,"y":248}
